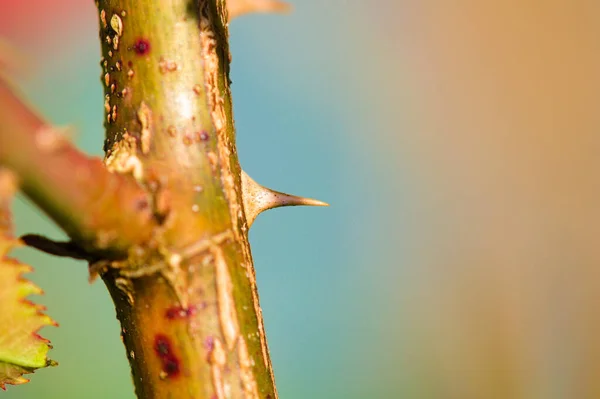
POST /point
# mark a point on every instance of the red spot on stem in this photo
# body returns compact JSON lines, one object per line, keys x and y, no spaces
{"x":178,"y":312}
{"x":163,"y":349}
{"x":141,"y":204}
{"x":141,"y":47}
{"x":209,"y":343}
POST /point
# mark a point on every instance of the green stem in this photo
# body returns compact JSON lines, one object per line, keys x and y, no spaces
{"x":187,"y":301}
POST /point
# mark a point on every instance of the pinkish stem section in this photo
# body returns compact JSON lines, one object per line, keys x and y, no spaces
{"x":101,"y":211}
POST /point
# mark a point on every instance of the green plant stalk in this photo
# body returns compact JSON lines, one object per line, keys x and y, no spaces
{"x":187,"y":298}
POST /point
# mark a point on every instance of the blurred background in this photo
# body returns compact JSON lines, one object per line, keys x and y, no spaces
{"x":457,"y":143}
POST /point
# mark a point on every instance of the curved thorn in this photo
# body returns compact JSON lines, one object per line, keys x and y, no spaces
{"x":235,"y":8}
{"x":258,"y":199}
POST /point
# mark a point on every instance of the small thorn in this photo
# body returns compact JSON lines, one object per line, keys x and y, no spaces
{"x":235,"y":8}
{"x":258,"y":199}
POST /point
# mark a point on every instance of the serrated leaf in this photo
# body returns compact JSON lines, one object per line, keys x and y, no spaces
{"x":22,"y":350}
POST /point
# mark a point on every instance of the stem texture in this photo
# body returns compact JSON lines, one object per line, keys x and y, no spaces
{"x":187,"y":299}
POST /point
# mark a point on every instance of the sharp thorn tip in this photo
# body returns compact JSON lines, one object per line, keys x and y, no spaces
{"x":258,"y":199}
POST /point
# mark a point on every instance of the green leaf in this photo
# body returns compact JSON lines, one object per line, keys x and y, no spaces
{"x":22,"y":350}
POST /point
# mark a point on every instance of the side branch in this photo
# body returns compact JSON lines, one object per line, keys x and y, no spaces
{"x":101,"y":212}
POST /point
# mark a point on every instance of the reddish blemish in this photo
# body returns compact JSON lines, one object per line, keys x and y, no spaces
{"x":141,"y":204}
{"x":163,"y":349}
{"x":141,"y":47}
{"x":209,"y":343}
{"x":178,"y":312}
{"x":129,"y":64}
{"x":203,"y":135}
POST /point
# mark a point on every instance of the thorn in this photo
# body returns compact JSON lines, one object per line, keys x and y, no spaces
{"x":258,"y":199}
{"x":235,"y":8}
